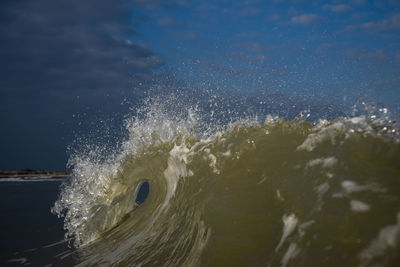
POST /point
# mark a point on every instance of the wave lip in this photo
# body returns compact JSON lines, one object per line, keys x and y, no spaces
{"x":246,"y":192}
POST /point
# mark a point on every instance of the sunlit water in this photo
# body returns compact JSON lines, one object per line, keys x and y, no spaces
{"x":255,"y":190}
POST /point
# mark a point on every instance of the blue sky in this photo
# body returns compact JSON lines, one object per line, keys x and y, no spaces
{"x":328,"y":48}
{"x":74,"y":68}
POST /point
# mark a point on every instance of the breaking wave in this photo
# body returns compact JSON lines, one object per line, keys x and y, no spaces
{"x":242,"y":191}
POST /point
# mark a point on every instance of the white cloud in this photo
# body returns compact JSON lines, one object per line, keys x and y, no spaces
{"x":253,"y":46}
{"x":192,"y":36}
{"x":378,"y":55}
{"x":398,"y":58}
{"x":392,"y":22}
{"x":273,"y":17}
{"x":358,"y":2}
{"x":249,"y":11}
{"x":304,"y":19}
{"x":166,"y":21}
{"x":337,"y":8}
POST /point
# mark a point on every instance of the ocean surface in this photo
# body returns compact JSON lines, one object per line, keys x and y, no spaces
{"x":29,"y":234}
{"x":219,"y":188}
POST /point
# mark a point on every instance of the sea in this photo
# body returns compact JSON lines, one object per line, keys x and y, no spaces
{"x":309,"y":184}
{"x":30,"y":235}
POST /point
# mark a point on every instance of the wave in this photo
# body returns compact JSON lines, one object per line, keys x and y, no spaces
{"x":253,"y":191}
{"x":32,"y":179}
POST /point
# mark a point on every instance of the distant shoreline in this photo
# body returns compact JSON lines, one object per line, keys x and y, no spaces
{"x":33,"y":174}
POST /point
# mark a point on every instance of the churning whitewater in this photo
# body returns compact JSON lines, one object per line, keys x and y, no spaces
{"x":260,"y":191}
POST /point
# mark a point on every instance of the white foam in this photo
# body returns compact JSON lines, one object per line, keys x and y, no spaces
{"x":57,"y":243}
{"x":322,"y":189}
{"x":387,"y":238}
{"x":264,"y":178}
{"x":269,"y":119}
{"x":226,"y":154}
{"x":325,"y":162}
{"x":213,"y":163}
{"x":93,"y":185}
{"x":350,"y":187}
{"x":323,"y":131}
{"x":321,"y":124}
{"x":327,"y":133}
{"x":278,"y":194}
{"x":19,"y":260}
{"x":31,"y":179}
{"x":359,"y":206}
{"x":358,"y":120}
{"x":303,"y":226}
{"x":291,"y":253}
{"x":289,"y":225}
{"x":176,"y":168}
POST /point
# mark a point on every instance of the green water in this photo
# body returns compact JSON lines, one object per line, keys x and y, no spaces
{"x":285,"y":193}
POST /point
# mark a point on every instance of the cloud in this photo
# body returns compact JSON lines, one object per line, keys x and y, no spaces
{"x":394,"y":2}
{"x":391,"y":22}
{"x":377,"y":56}
{"x":60,"y":58}
{"x":167,"y":21}
{"x":252,"y":59}
{"x":253,"y":46}
{"x":330,"y":46}
{"x":360,"y":15}
{"x":304,"y":19}
{"x":397,"y":58}
{"x":146,"y":63}
{"x":358,"y":2}
{"x":273,"y":17}
{"x":337,"y":8}
{"x":191,"y":36}
{"x":219,"y":67}
{"x":67,"y":46}
{"x":249,"y":11}
{"x":157,"y":4}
